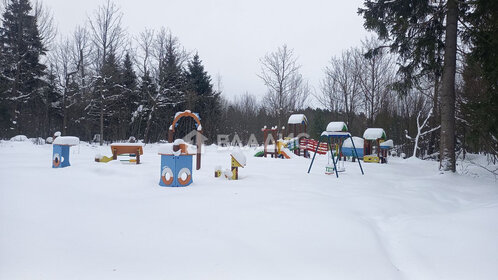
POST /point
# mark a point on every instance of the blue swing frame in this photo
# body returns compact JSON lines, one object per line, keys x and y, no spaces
{"x":328,"y":135}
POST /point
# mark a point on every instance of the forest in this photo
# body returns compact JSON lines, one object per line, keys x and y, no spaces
{"x":429,"y":76}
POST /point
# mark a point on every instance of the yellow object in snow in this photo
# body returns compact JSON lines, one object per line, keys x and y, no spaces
{"x":104,"y":159}
{"x":371,"y":158}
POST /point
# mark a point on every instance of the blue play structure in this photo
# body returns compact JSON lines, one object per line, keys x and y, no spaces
{"x":347,"y":147}
{"x":60,"y":157}
{"x":176,"y":167}
{"x":336,"y":132}
{"x":61,"y":147}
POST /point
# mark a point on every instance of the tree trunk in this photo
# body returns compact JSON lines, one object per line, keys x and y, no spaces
{"x":448,"y":161}
{"x":101,"y":122}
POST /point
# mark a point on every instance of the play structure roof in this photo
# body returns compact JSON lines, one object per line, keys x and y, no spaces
{"x":239,"y":157}
{"x":297,"y":119}
{"x":358,"y":142}
{"x":66,"y":140}
{"x":337,"y":126}
{"x":374,"y":134}
{"x":127,"y":144}
{"x":386,"y":144}
{"x":338,"y":134}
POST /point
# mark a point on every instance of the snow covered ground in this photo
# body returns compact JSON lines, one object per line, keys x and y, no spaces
{"x":403,"y":220}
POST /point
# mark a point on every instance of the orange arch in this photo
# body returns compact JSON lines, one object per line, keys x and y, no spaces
{"x":185,"y":114}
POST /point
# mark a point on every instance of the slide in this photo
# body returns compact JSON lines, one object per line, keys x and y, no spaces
{"x":259,"y":154}
{"x":286,"y":153}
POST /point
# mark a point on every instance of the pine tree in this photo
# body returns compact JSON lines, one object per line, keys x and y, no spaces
{"x":22,"y":72}
{"x":131,"y":97}
{"x":414,"y":30}
{"x":205,"y":100}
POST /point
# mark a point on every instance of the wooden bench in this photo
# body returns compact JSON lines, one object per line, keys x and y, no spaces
{"x":127,"y":148}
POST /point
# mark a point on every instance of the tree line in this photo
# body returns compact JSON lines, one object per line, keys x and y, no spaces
{"x":429,"y":79}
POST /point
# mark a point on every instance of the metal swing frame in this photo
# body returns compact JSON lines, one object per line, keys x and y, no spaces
{"x":328,"y":136}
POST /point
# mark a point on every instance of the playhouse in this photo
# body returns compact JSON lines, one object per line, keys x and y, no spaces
{"x":371,"y":147}
{"x":297,"y":127}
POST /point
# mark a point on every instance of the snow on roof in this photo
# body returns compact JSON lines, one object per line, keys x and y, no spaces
{"x":66,"y":140}
{"x":297,"y":119}
{"x":337,"y":126}
{"x":124,"y":144}
{"x":178,"y":142}
{"x":358,"y":143}
{"x":374,"y":134}
{"x":387,"y":144}
{"x":19,"y":138}
{"x":166,"y":149}
{"x":239,"y":157}
{"x":336,"y":133}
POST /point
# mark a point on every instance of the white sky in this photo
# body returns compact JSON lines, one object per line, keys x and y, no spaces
{"x":232,"y":35}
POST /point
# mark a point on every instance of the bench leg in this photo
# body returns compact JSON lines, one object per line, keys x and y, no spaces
{"x":138,"y":156}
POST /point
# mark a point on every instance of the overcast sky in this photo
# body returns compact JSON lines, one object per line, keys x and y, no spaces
{"x":232,"y":35}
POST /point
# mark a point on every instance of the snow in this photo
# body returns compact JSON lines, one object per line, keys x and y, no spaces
{"x":66,"y":140}
{"x":358,"y":142}
{"x":297,"y":119}
{"x":166,"y":149}
{"x":337,"y":126}
{"x":335,"y":133}
{"x":401,"y":220}
{"x":239,"y":157}
{"x":386,"y":144}
{"x":374,"y":134}
{"x":19,"y":138}
{"x":126,"y":144}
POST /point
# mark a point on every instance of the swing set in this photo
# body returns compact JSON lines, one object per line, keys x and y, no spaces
{"x":335,"y":134}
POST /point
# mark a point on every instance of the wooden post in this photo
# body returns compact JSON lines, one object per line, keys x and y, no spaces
{"x":138,"y":156}
{"x":199,"y":146}
{"x":114,"y":154}
{"x":171,"y":131}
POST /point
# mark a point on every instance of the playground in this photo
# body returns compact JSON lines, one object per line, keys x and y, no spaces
{"x":93,"y":220}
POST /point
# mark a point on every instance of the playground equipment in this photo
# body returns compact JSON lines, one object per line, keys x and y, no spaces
{"x":238,"y":160}
{"x":296,"y":133}
{"x":198,"y":137}
{"x":124,"y":149}
{"x":384,"y":148}
{"x":347,"y":147}
{"x":270,"y":135}
{"x":336,"y":132}
{"x":61,"y":147}
{"x":176,"y":165}
{"x":371,"y":149}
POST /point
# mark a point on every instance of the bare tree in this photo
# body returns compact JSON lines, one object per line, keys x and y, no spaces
{"x":375,"y":77}
{"x":286,"y":87}
{"x":107,"y":36}
{"x":106,"y":31}
{"x":145,"y":43}
{"x":46,"y":25}
{"x":340,"y":88}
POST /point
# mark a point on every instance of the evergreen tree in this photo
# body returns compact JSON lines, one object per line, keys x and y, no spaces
{"x":480,"y":76}
{"x":206,"y":101}
{"x":22,"y":72}
{"x":131,"y":97}
{"x":414,"y":30}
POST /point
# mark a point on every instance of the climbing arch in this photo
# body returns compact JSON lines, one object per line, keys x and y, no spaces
{"x":198,"y":138}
